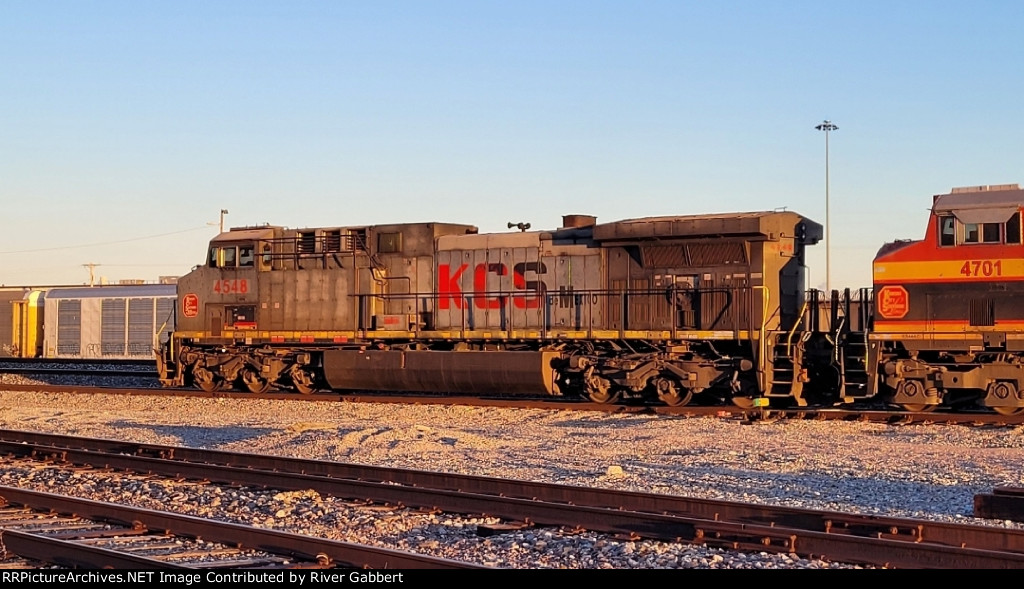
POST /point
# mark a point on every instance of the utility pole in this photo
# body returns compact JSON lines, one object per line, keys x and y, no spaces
{"x":827,"y":127}
{"x":92,"y":278}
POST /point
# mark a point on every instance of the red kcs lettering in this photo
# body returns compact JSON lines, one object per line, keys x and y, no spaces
{"x":450,"y":292}
{"x":448,"y":286}
{"x":480,"y":286}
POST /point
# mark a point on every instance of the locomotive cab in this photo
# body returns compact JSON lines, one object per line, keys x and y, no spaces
{"x":218,"y":302}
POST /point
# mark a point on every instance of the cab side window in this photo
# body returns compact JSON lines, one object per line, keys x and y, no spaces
{"x":991,"y":232}
{"x":266,"y":256}
{"x":1013,"y":229}
{"x":987,"y":233}
{"x":246,"y":256}
{"x":243,"y":256}
{"x":230,"y":257}
{"x":983,"y":232}
{"x":971,"y":234}
{"x":947,"y":230}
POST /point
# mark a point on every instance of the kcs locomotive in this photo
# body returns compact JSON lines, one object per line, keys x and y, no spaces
{"x":663,"y":309}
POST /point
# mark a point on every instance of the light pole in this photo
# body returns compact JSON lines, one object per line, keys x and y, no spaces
{"x":827,"y":127}
{"x":222,"y":213}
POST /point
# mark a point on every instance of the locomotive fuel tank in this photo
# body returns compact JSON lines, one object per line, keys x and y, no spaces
{"x":471,"y":372}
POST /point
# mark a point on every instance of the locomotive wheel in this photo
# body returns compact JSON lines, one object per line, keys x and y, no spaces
{"x":253,"y":382}
{"x":303,"y":382}
{"x":671,"y":394}
{"x":205,"y":379}
{"x":743,"y":402}
{"x":915,"y":389}
{"x":1009,"y":411}
{"x":600,"y":391}
{"x":1003,"y":391}
{"x":606,"y":397}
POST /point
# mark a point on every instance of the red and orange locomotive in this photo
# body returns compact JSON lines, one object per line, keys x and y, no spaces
{"x":949,"y":317}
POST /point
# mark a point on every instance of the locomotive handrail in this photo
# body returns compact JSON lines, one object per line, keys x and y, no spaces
{"x":789,"y":338}
{"x":305,"y":246}
{"x":465,"y":302}
{"x":761,"y":332}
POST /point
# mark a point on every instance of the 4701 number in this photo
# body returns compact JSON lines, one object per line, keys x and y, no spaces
{"x":973,"y":268}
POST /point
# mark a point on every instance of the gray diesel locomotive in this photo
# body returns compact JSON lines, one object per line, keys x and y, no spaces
{"x":660,"y":308}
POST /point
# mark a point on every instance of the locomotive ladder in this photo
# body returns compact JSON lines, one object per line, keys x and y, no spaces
{"x":785,"y":372}
{"x":849,"y":341}
{"x":853,"y":366}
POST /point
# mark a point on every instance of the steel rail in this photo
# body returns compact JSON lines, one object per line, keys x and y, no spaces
{"x":66,"y":553}
{"x":308,"y":548}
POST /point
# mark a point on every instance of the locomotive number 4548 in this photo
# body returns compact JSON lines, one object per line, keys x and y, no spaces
{"x":236,"y":286}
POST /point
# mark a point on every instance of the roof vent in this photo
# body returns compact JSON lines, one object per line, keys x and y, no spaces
{"x":577,"y":221}
{"x":988,"y":188}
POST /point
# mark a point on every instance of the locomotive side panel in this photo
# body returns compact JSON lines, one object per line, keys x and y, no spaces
{"x":518,"y":281}
{"x":305,"y":300}
{"x":402,"y":267}
{"x":725,"y":272}
{"x":571,"y":278}
{"x":211,"y":302}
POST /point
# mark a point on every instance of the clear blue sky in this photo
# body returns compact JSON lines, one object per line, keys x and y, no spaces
{"x":133,"y":123}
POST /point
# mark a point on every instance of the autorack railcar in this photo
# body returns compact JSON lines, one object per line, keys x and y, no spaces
{"x":98,"y":322}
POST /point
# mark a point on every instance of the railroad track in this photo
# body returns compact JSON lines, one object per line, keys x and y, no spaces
{"x":139,"y":362}
{"x":841,"y":537}
{"x":80,"y":533}
{"x":78,"y":367}
{"x":81,"y":372}
{"x":146,"y":368}
{"x":750,"y":415}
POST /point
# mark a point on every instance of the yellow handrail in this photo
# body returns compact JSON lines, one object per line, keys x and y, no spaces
{"x":761,"y":332}
{"x":789,"y":338}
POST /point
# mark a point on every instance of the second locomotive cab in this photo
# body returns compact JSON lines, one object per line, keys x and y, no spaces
{"x":660,"y":308}
{"x":949,"y":317}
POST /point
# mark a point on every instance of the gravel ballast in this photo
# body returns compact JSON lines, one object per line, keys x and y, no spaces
{"x":924,"y":471}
